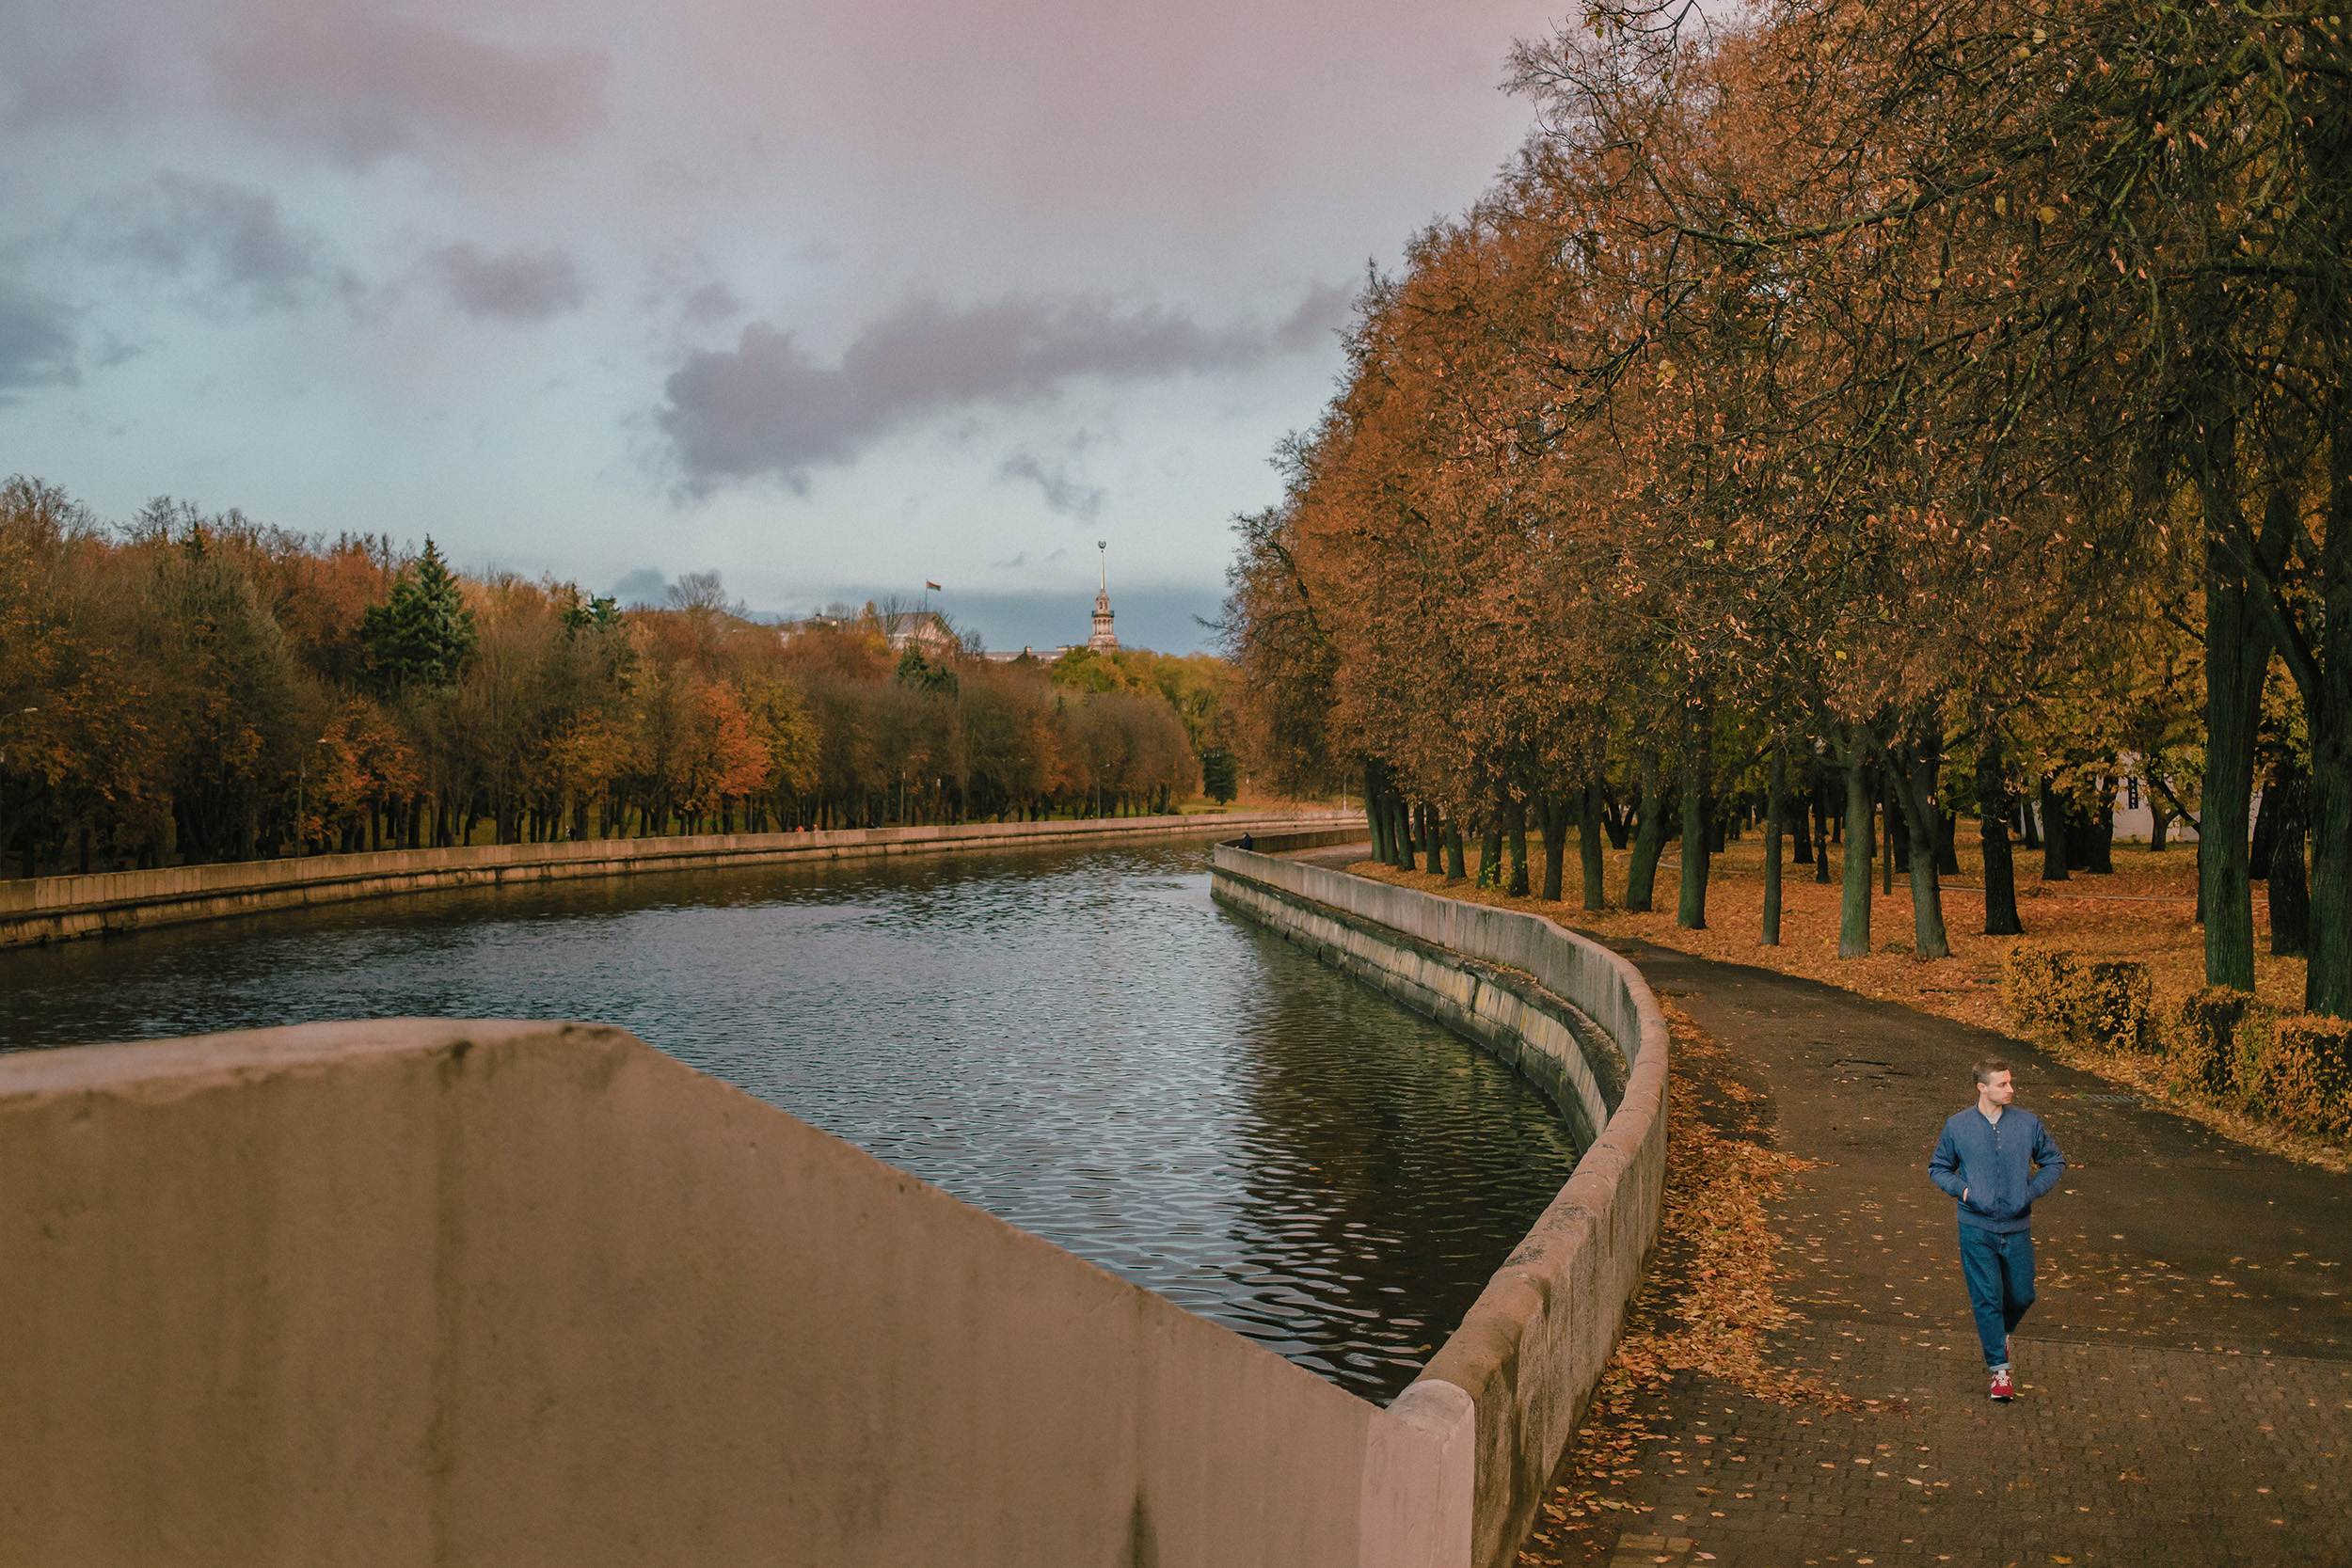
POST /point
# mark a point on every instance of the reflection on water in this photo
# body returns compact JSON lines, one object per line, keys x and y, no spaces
{"x":1075,"y":1039}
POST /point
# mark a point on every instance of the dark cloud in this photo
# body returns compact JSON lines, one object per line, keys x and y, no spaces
{"x":36,"y":338}
{"x":228,"y":242}
{"x":365,"y":86}
{"x":1063,"y":494}
{"x":766,"y":408}
{"x":519,"y":286}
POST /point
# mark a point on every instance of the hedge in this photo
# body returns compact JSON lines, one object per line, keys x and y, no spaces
{"x":2097,"y":1002}
{"x":2303,"y":1073}
{"x":2214,"y":1039}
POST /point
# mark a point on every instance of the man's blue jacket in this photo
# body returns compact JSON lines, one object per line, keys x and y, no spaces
{"x":1990,"y":1162}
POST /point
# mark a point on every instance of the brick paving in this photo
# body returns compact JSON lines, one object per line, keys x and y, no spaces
{"x":2187,"y":1375}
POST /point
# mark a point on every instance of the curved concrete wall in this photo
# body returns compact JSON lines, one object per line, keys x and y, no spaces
{"x":58,"y":909}
{"x":519,"y":1293}
{"x":1532,"y":1349}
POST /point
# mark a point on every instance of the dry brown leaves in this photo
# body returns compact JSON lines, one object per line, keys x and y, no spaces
{"x":1708,"y":1304}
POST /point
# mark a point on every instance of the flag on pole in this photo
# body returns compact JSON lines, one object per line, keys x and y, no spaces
{"x":934,"y":588}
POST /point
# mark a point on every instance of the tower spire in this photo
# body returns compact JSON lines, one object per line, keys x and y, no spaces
{"x":1104,"y":641}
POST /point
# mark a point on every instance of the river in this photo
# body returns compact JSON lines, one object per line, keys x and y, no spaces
{"x":1075,"y":1039}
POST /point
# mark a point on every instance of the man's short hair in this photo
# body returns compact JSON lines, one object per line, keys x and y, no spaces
{"x":1988,"y":1065}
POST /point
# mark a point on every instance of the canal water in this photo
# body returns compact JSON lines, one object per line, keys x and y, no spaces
{"x":1075,"y":1039}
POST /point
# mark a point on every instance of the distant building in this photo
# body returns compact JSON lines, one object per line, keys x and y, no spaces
{"x":926,"y":629}
{"x":1104,"y":641}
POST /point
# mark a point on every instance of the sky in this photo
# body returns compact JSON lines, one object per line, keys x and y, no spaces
{"x":832,"y":300}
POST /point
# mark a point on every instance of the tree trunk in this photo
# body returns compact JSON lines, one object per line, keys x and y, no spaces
{"x":1993,"y":804}
{"x":1886,"y":810}
{"x":1454,"y":870}
{"x":2237,"y":653}
{"x":1821,"y":829}
{"x":2099,"y":834}
{"x":2285,"y":800}
{"x":1554,"y":817}
{"x":1773,"y":812}
{"x":1516,"y":819}
{"x":2266,"y":834}
{"x":2054,"y":834}
{"x":2328,"y":706}
{"x":1401,"y":832}
{"x":1801,"y":828}
{"x":2032,"y":827}
{"x":1690,"y":915}
{"x":1588,"y":834}
{"x":1946,"y":849}
{"x":1853,"y":909}
{"x":1650,"y":842}
{"x":1491,"y":850}
{"x":1916,"y":781}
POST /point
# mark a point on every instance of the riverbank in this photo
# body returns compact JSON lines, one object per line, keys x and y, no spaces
{"x":62,"y":908}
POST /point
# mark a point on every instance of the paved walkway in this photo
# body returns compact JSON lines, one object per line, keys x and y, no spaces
{"x":2187,"y":1375}
{"x":2187,"y":1372}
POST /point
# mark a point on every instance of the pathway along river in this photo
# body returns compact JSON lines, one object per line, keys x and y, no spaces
{"x":1075,"y":1039}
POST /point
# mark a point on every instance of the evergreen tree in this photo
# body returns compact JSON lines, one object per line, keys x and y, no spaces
{"x":424,"y":636}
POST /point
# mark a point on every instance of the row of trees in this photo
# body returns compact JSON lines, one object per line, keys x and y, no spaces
{"x":193,"y":687}
{"x":1937,"y":405}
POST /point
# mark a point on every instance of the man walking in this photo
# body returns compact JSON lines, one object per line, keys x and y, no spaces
{"x":1995,"y":1160}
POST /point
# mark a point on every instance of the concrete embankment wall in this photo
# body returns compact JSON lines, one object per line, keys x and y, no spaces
{"x":1578,"y":1020}
{"x":512,"y":1294}
{"x":58,"y":909}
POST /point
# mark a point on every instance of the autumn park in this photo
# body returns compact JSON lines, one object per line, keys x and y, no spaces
{"x":1781,"y":716}
{"x":1908,"y":424}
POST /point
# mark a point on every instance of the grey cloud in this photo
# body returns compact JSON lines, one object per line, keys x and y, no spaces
{"x":766,"y":407}
{"x":1014,"y":563}
{"x":519,"y":286}
{"x":1063,"y":494}
{"x":711,"y":303}
{"x":229,"y":239}
{"x":365,"y":86}
{"x":61,"y":67}
{"x":36,"y":340}
{"x":643,"y":586}
{"x":1327,"y":308}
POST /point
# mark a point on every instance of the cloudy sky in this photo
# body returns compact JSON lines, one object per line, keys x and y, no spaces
{"x":826,"y":298}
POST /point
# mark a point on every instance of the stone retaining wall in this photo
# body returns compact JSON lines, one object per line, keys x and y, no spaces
{"x":56,"y":908}
{"x":1578,"y":1020}
{"x":501,"y":1295}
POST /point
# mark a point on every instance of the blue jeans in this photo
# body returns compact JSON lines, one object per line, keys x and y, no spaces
{"x":2000,"y":1269}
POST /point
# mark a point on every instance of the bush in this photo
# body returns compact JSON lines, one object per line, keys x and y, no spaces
{"x":2215,"y":1038}
{"x":2095,"y":1002}
{"x":2302,"y":1073}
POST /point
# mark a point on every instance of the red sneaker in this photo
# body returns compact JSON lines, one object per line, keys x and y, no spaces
{"x":2004,"y":1389}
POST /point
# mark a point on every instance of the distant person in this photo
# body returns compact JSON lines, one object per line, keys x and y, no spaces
{"x":1995,"y":1158}
{"x":1247,"y":841}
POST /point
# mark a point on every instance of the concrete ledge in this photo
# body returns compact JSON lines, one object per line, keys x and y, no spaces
{"x":1578,"y":1020}
{"x":508,"y":1294}
{"x":60,"y":909}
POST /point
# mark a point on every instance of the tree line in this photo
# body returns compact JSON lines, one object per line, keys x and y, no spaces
{"x":190,"y":688}
{"x":1873,"y":402}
